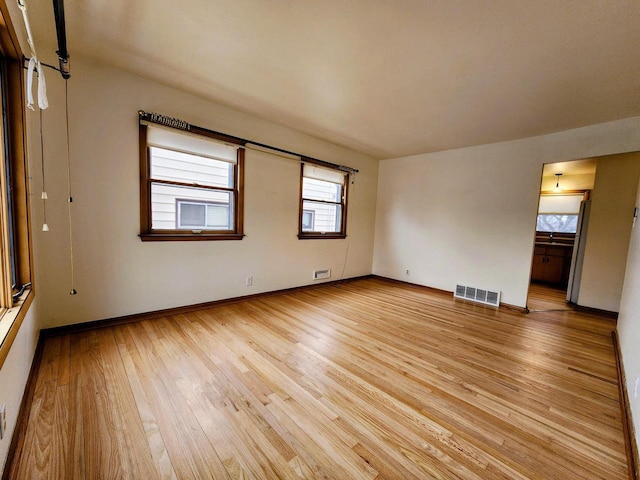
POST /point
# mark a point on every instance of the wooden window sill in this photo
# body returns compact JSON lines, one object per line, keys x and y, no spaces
{"x":321,"y":236}
{"x":187,"y":237}
{"x":10,"y":321}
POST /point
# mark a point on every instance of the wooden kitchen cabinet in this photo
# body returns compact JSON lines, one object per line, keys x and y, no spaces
{"x":551,"y":264}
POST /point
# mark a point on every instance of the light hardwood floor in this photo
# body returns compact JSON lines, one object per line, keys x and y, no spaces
{"x":545,"y":298}
{"x":367,"y":380}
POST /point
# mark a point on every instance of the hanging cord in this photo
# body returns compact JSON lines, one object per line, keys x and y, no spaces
{"x":45,"y":227}
{"x":346,"y":253}
{"x":23,"y":7}
{"x":70,"y":200}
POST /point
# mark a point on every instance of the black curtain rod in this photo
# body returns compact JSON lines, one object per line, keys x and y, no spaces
{"x":61,"y":33}
{"x":160,"y":119}
{"x":25,"y":60}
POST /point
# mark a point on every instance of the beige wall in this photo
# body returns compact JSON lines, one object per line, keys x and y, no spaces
{"x":468,"y":215}
{"x":629,"y":323}
{"x":116,"y":273}
{"x":14,"y":374}
{"x":613,"y":200}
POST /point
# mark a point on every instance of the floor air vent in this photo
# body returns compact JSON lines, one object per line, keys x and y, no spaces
{"x":488,"y":297}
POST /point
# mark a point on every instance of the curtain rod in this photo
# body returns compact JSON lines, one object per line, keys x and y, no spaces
{"x":25,"y":60}
{"x":160,"y":119}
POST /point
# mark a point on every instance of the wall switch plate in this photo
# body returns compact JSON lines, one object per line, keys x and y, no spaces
{"x":3,"y":420}
{"x":249,"y":281}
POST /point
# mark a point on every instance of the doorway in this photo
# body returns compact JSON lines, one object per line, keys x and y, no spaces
{"x":561,"y":225}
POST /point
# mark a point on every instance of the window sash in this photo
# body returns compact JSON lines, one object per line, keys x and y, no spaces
{"x":176,"y":170}
{"x":327,"y":217}
{"x":166,"y":201}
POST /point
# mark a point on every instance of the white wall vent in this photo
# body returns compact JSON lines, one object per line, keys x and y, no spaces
{"x":488,"y":297}
{"x":320,"y":274}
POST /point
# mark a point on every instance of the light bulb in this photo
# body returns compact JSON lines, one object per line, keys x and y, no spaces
{"x":557,"y":187}
{"x":73,"y":292}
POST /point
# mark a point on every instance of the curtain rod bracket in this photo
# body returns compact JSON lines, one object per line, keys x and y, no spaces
{"x":61,"y":33}
{"x":65,"y":67}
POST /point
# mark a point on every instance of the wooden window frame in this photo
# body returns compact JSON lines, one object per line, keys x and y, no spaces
{"x":13,"y":311}
{"x":148,"y":234}
{"x":343,"y":203}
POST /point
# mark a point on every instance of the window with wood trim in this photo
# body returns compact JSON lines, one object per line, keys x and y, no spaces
{"x":323,"y":202}
{"x":16,"y":293}
{"x":191,"y":186}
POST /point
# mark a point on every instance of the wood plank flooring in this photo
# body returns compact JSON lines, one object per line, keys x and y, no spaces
{"x":544,"y":298}
{"x":370,"y":379}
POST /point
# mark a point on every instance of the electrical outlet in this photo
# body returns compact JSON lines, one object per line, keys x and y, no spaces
{"x":249,"y":281}
{"x":3,"y":420}
{"x":407,"y":272}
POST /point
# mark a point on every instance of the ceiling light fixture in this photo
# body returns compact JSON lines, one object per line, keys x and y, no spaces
{"x":558,"y":189}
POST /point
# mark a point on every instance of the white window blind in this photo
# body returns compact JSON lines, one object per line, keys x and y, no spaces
{"x":186,"y":142}
{"x":325,"y":174}
{"x":561,"y":204}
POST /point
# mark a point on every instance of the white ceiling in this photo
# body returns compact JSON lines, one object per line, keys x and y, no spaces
{"x":386,"y":78}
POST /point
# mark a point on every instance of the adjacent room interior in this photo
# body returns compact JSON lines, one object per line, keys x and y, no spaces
{"x":319,"y":239}
{"x":561,"y":230}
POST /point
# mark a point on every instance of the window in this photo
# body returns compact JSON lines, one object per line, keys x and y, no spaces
{"x":323,"y":202}
{"x":557,"y":223}
{"x":211,"y":216}
{"x":191,"y":186}
{"x":559,"y":213}
{"x":15,"y":244}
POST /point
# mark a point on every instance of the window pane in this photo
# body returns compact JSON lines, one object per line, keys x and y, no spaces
{"x":321,"y":190}
{"x":321,"y":217}
{"x":169,"y":208}
{"x":6,"y":155}
{"x":307,"y":220}
{"x":557,"y":223}
{"x":191,"y":214}
{"x":218,"y":217}
{"x":188,"y":168}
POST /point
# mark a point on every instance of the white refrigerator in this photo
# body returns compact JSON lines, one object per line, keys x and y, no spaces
{"x":577,"y":258}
